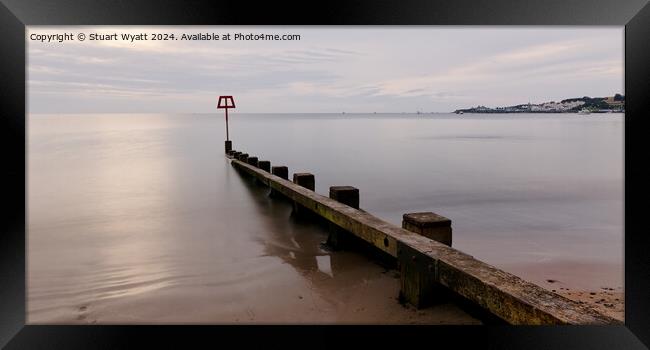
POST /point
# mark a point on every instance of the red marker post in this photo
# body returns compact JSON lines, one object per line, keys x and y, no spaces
{"x":226,"y":102}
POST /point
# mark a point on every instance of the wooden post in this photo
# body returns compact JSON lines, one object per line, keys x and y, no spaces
{"x":243,"y":157}
{"x":228,"y":146}
{"x":307,"y":181}
{"x":338,"y":237}
{"x":280,"y":171}
{"x":264,"y":165}
{"x":418,"y":282}
{"x":252,"y":161}
{"x":418,"y":278}
{"x":430,"y":225}
{"x":347,"y":195}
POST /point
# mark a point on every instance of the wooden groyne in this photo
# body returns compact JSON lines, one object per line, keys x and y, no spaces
{"x":427,"y":262}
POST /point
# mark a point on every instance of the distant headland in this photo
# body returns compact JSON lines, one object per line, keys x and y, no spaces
{"x":583,"y":105}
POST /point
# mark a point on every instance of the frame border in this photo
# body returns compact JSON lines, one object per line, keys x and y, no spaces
{"x":15,"y":15}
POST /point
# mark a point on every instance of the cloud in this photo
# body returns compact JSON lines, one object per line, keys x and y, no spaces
{"x":560,"y":61}
{"x":352,"y":69}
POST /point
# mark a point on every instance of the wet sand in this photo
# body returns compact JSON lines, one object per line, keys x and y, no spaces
{"x":310,"y":286}
{"x":364,"y":296}
{"x":592,"y":288}
{"x":607,"y":302}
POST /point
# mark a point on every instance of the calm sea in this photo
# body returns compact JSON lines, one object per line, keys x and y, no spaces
{"x":139,"y":217}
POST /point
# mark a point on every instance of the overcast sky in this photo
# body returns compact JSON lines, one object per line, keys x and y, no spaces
{"x":331,"y":69}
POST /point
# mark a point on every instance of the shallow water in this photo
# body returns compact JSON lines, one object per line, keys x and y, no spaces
{"x":139,"y":218}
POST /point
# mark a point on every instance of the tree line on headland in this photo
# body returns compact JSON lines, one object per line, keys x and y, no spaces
{"x":610,"y":104}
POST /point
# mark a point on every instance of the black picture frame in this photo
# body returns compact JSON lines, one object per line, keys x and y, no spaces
{"x":15,"y":15}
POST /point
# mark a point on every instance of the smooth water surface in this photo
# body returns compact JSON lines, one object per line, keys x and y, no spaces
{"x":139,"y":218}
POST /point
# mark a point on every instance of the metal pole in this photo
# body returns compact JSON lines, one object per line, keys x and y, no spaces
{"x":227,"y":136}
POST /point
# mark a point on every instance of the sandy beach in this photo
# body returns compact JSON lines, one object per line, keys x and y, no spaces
{"x":593,"y":288}
{"x":608,"y":302}
{"x":365,"y":294}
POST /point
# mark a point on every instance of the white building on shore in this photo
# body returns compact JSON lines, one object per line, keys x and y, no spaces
{"x":556,"y":106}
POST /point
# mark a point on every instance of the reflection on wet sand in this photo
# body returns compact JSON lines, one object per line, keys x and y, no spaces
{"x":359,"y":288}
{"x":297,"y":240}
